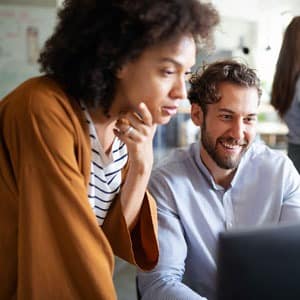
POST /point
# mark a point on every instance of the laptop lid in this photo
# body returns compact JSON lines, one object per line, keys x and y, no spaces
{"x":259,"y":264}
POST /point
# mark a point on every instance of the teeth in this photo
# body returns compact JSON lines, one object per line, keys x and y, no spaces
{"x":230,"y":146}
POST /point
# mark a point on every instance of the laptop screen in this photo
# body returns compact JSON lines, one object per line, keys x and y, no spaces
{"x":259,"y":264}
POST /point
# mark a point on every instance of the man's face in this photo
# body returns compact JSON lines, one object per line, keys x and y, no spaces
{"x":229,"y":126}
{"x":157,"y":78}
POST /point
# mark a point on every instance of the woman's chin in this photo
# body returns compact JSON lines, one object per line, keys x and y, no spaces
{"x":162,"y":120}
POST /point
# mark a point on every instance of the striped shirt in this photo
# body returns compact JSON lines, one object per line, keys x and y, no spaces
{"x":105,"y":177}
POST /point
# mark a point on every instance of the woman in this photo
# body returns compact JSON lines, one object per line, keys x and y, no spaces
{"x":285,"y":96}
{"x":76,"y":145}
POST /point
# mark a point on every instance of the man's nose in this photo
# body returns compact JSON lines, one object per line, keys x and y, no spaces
{"x":238,"y":129}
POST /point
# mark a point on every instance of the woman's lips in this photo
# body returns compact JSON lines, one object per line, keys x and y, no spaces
{"x":170,"y":110}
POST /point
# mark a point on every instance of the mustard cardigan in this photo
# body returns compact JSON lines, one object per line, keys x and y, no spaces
{"x":51,"y":246}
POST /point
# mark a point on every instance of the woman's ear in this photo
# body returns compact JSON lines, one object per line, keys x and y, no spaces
{"x":121,"y":71}
{"x":196,"y":114}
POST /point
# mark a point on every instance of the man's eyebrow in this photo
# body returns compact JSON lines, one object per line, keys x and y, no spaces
{"x":232,"y":112}
{"x":226,"y":110}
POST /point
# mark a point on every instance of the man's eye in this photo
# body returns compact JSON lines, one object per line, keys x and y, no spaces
{"x":188,"y":75}
{"x":250,"y":119}
{"x":226,"y":117}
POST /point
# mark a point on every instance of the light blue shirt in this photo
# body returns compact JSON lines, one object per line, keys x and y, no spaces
{"x":193,"y":210}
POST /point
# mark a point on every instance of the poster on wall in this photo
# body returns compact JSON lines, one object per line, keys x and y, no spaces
{"x":23,"y":32}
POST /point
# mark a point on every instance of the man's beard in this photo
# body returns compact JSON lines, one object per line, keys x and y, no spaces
{"x":227,"y":162}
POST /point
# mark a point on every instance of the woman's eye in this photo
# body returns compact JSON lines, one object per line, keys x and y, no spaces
{"x":169,"y":72}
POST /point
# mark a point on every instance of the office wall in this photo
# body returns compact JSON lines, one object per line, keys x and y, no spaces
{"x":23,"y":31}
{"x":50,"y":3}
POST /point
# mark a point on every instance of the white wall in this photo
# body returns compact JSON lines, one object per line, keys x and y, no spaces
{"x":23,"y":31}
{"x":260,"y":24}
{"x":51,"y":3}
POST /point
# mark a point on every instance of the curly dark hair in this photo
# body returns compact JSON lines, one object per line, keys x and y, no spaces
{"x":205,"y":81}
{"x":94,"y":38}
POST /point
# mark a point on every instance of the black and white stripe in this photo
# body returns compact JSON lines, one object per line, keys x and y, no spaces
{"x":105,"y":177}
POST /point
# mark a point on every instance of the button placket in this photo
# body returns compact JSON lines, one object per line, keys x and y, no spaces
{"x":227,"y":202}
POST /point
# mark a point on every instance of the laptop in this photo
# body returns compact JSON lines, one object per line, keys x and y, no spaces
{"x":259,"y":264}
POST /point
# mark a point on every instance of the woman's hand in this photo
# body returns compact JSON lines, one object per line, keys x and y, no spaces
{"x":136,"y":130}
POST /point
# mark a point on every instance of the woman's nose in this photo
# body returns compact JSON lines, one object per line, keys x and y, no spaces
{"x":179,"y":90}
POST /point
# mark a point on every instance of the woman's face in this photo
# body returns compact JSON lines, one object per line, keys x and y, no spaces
{"x":157,"y":78}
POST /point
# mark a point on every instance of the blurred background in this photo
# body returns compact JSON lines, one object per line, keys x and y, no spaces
{"x":249,"y":30}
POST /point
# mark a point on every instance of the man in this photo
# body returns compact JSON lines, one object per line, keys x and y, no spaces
{"x":226,"y":181}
